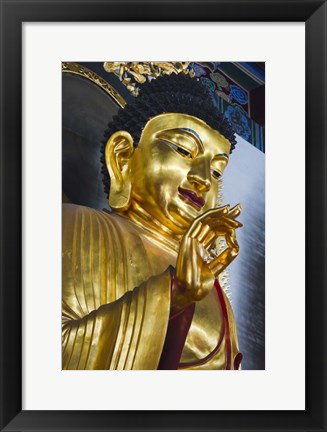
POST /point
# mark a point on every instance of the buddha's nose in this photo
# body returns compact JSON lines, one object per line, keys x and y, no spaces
{"x":200,"y":175}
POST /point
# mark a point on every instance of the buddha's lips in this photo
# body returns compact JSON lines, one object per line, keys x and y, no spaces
{"x":192,"y":196}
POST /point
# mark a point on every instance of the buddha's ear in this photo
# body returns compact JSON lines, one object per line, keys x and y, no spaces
{"x":118,"y":154}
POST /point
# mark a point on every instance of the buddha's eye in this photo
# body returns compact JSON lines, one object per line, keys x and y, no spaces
{"x":216,"y":174}
{"x":180,"y":150}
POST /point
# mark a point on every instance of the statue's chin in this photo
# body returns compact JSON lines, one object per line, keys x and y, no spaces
{"x":173,"y":219}
{"x":181,"y":219}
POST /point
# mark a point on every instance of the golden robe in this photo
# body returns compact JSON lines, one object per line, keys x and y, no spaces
{"x":116,"y":300}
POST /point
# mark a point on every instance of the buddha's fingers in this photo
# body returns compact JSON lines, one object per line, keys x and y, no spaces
{"x":223,"y":220}
{"x":218,"y":264}
{"x":231,"y":240}
{"x":224,"y":226}
{"x":213,"y":221}
{"x":230,"y":212}
{"x":209,"y":215}
{"x":199,"y":231}
{"x":209,"y":240}
{"x":212,"y":236}
{"x":195,"y":229}
{"x":223,"y":232}
{"x":223,"y":260}
{"x":235,"y":211}
{"x":206,"y":230}
{"x":232,"y":223}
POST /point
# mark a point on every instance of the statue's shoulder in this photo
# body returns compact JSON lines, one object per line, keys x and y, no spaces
{"x":89,"y":221}
{"x":75,"y":210}
{"x":77,"y":218}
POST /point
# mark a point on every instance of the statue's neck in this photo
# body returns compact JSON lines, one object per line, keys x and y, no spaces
{"x":151,"y":228}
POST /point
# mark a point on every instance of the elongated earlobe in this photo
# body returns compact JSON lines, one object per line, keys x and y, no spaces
{"x":119,"y":151}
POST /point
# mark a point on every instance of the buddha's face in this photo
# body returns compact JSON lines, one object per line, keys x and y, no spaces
{"x":175,"y":169}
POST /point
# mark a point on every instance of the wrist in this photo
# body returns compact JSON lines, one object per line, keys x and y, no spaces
{"x":179,"y":298}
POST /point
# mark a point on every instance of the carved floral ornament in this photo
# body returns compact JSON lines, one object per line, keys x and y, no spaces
{"x":133,"y":73}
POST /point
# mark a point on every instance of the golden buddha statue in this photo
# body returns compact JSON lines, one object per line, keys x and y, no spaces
{"x":141,"y":283}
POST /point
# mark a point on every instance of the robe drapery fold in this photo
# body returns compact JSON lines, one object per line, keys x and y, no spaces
{"x":116,"y":302}
{"x":110,"y":319}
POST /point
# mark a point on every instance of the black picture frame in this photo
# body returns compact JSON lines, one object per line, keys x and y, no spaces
{"x":13,"y":14}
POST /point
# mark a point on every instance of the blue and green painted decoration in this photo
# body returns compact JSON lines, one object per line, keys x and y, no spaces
{"x":238,"y":91}
{"x":236,"y":88}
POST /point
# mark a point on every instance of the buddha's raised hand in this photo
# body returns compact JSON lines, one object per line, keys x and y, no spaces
{"x":195,"y":272}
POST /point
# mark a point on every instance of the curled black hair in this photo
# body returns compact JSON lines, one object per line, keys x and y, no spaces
{"x":166,"y":94}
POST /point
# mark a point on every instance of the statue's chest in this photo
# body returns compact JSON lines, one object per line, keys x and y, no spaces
{"x":145,"y":259}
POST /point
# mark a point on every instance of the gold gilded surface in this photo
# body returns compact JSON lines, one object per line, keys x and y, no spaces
{"x":112,"y":297}
{"x":78,"y":69}
{"x":139,"y":72}
{"x":126,"y":272}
